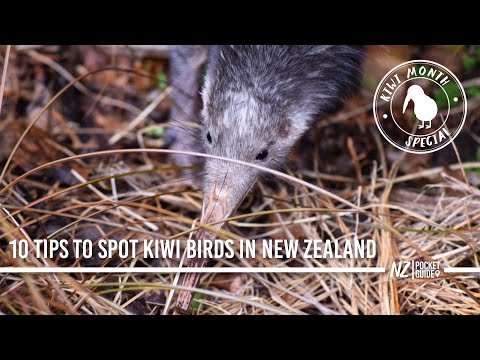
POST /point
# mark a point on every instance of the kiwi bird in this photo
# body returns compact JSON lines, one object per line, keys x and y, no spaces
{"x":425,"y":108}
{"x":258,"y":100}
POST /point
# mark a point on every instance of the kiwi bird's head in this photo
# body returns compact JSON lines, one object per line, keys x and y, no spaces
{"x":258,"y":101}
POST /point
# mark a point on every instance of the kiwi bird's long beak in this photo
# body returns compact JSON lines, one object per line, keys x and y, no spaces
{"x":215,"y":204}
{"x":223,"y":195}
{"x":405,"y":103}
{"x":225,"y":187}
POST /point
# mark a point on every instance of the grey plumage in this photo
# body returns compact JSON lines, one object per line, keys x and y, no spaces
{"x":272,"y":91}
{"x":257,"y":102}
{"x":262,"y":98}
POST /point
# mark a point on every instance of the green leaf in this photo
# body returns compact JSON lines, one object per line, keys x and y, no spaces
{"x":469,"y":63}
{"x":156,"y":132}
{"x":452,"y":91}
{"x":414,"y":118}
{"x":473,"y":91}
{"x":162,"y":81}
{"x":196,"y":302}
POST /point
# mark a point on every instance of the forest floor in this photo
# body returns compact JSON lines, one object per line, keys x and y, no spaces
{"x":416,"y":207}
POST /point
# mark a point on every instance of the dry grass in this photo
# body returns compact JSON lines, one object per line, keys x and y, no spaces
{"x":406,"y":226}
{"x":429,"y":214}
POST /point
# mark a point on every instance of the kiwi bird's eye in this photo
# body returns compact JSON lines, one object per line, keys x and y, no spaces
{"x":262,"y":155}
{"x":209,"y":137}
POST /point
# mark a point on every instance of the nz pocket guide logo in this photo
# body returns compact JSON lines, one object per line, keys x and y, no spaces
{"x":417,"y":269}
{"x":420,"y":106}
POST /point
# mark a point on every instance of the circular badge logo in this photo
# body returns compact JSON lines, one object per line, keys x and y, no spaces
{"x":420,"y":106}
